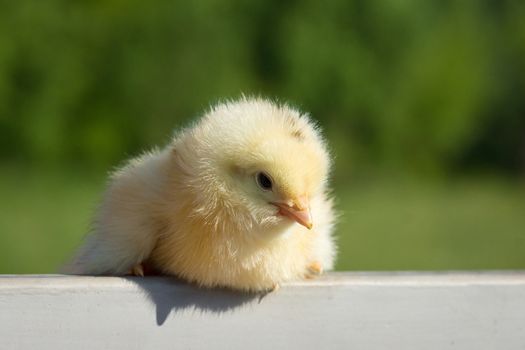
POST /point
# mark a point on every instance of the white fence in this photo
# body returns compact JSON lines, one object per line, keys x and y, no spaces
{"x":339,"y":311}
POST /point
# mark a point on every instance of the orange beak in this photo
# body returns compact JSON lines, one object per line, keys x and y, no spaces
{"x":298,"y":211}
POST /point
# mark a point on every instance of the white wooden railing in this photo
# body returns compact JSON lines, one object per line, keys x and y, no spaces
{"x":484,"y":310}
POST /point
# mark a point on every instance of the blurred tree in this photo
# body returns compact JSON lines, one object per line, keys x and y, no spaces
{"x":425,"y":86}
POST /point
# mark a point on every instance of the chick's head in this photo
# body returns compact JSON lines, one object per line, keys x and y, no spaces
{"x":261,"y":161}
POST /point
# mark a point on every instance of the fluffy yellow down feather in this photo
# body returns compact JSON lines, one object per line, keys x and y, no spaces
{"x":237,"y":200}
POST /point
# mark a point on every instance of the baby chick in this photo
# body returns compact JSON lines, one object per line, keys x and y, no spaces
{"x":237,"y":200}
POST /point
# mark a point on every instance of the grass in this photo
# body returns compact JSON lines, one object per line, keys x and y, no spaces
{"x":386,"y":225}
{"x":467,"y":224}
{"x":43,"y":217}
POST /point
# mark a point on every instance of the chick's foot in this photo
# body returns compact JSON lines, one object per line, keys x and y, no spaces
{"x":137,"y":270}
{"x":314,"y":270}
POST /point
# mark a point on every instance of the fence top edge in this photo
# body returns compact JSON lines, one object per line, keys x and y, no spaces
{"x":333,"y":279}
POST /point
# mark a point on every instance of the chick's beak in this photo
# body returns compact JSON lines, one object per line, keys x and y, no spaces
{"x":298,"y":210}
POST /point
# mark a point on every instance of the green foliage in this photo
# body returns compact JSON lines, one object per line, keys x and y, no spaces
{"x":427,"y":86}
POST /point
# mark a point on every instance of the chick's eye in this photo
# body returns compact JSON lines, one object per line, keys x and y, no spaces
{"x":264,"y":181}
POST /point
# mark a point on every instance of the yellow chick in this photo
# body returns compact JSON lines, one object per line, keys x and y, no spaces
{"x":237,"y":200}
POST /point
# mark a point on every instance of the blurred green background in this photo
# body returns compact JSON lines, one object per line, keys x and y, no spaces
{"x":423,"y":103}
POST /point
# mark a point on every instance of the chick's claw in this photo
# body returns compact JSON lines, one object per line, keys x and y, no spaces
{"x":137,"y":270}
{"x":314,"y":270}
